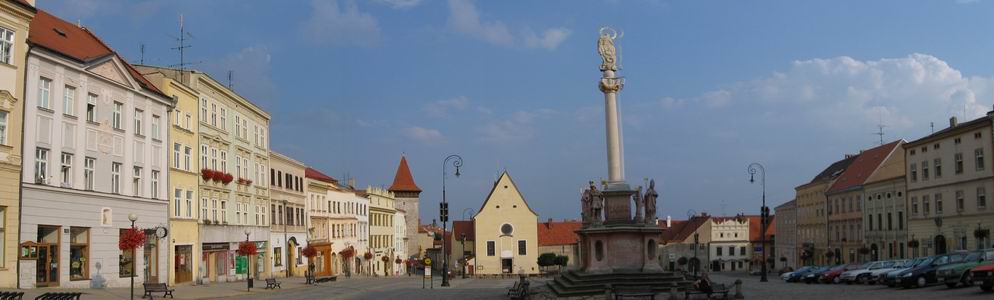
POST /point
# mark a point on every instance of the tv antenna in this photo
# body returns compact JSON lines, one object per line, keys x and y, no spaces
{"x":141,"y":51}
{"x":182,"y":40}
{"x":230,"y":79}
{"x":880,"y":130}
{"x":691,"y":213}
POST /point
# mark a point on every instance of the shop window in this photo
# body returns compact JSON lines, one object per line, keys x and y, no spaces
{"x":278,"y":256}
{"x":79,"y":253}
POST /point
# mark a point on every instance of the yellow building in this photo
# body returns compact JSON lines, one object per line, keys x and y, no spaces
{"x":184,"y":210}
{"x":15,"y":16}
{"x":812,"y":217}
{"x":506,"y":232}
{"x":381,"y":230}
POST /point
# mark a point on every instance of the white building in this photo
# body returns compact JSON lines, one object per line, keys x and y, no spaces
{"x":729,"y":243}
{"x":400,"y":241}
{"x":94,"y":130}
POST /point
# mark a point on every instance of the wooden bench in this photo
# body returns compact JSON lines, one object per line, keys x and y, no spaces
{"x":11,"y":295}
{"x":157,"y":288}
{"x":59,"y":296}
{"x":634,"y":292}
{"x":271,"y":283}
{"x":717,"y":289}
{"x":520,"y":291}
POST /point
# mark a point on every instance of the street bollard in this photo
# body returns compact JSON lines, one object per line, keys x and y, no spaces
{"x":738,"y":289}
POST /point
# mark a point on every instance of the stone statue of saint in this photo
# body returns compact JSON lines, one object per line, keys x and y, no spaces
{"x":605,"y":47}
{"x":639,"y":204}
{"x":586,"y":199}
{"x":597,"y":204}
{"x":650,"y":202}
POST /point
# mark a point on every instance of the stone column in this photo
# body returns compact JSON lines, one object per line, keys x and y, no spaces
{"x":610,"y":86}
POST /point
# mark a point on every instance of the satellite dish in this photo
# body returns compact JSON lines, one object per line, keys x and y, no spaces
{"x":691,"y":213}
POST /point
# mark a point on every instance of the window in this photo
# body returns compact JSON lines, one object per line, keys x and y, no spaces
{"x":115,"y":178}
{"x":938,"y":204}
{"x":203,"y":156}
{"x":224,"y":118}
{"x":925,"y":205}
{"x":870,"y":221}
{"x":139,"y":115}
{"x":117,"y":118}
{"x":238,"y":167}
{"x":176,"y":151}
{"x":177,"y":199}
{"x":69,"y":100}
{"x":981,"y":198}
{"x":938,"y":167}
{"x":3,"y":127}
{"x":66,"y":170}
{"x":213,"y":158}
{"x":959,"y":201}
{"x":155,"y":127}
{"x":189,"y":204}
{"x":900,"y":220}
{"x":224,"y":211}
{"x":224,"y":161}
{"x":186,"y":121}
{"x":890,"y":222}
{"x":977,"y":135}
{"x":41,"y":165}
{"x":136,"y":182}
{"x":925,"y":170}
{"x":979,"y":154}
{"x":203,"y":110}
{"x":125,"y":263}
{"x":155,"y":184}
{"x":88,"y":167}
{"x":91,"y":108}
{"x":880,"y":221}
{"x":214,"y":210}
{"x":79,"y":253}
{"x":742,"y":251}
{"x":731,"y":250}
{"x":203,"y":208}
{"x":3,"y":234}
{"x":914,"y":172}
{"x":914,"y":206}
{"x":238,"y":125}
{"x":958,"y":157}
{"x":262,"y":138}
{"x":45,"y":93}
{"x":6,"y":49}
{"x":491,"y":248}
{"x":187,"y":151}
{"x":718,"y":249}
{"x":214,"y":114}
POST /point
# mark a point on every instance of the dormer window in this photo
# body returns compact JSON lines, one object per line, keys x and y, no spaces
{"x":60,"y":32}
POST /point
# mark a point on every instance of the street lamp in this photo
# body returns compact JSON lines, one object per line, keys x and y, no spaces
{"x":697,"y":262}
{"x":764,"y":211}
{"x":464,"y":260}
{"x":248,"y":281}
{"x":133,"y":217}
{"x":444,"y":213}
{"x":286,"y":238}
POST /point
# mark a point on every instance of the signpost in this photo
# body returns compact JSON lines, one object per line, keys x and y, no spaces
{"x":427,"y":263}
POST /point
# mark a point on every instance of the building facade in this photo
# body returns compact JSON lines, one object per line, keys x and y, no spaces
{"x":885,"y":233}
{"x":289,"y":233}
{"x":948,"y":178}
{"x":184,"y":180}
{"x":345,"y":208}
{"x":560,"y":238}
{"x":506,"y":232}
{"x":15,"y":18}
{"x":407,"y":196}
{"x":94,"y":131}
{"x":812,"y":216}
{"x":400,"y":240}
{"x":319,"y":219}
{"x":728,"y":244}
{"x":787,"y":253}
{"x":381,"y":230}
{"x":234,"y":178}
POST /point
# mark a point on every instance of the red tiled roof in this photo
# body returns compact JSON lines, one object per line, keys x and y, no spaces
{"x":317,"y":175}
{"x":558,"y":233}
{"x":755,"y":225}
{"x":865,"y":164}
{"x":682,"y":230}
{"x":78,"y":43}
{"x":403,"y":181}
{"x":461,"y":227}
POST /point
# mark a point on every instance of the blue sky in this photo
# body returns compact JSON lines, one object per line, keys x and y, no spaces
{"x":711,"y":86}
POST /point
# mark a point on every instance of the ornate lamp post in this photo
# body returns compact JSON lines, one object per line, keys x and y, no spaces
{"x":764,"y":211}
{"x":697,"y":262}
{"x":133,"y":217}
{"x":444,"y":213}
{"x":248,"y":270}
{"x":464,"y":260}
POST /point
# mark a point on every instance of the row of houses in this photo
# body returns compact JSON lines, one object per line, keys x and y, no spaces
{"x":897,"y":200}
{"x":92,"y":145}
{"x":717,"y":244}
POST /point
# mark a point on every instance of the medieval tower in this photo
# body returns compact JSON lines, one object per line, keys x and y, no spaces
{"x":407,"y":195}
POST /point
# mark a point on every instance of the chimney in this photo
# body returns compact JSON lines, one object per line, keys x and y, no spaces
{"x":669,"y":222}
{"x":352,"y":182}
{"x":953,"y":122}
{"x":549,"y":224}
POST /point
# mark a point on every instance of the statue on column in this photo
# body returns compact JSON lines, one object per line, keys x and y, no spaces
{"x":650,"y":202}
{"x":605,"y":47}
{"x":639,"y":204}
{"x":597,"y":204}
{"x":586,"y":200}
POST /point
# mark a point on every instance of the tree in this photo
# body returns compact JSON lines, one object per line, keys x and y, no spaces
{"x":562,"y":261}
{"x":547,"y":259}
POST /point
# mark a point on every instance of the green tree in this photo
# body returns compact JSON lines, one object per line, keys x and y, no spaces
{"x":546,"y":259}
{"x":562,"y":261}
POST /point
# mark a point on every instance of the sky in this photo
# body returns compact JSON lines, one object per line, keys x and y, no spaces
{"x":711,"y":86}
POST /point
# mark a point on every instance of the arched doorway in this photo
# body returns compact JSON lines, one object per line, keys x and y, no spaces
{"x":940,"y":244}
{"x":874,"y":252}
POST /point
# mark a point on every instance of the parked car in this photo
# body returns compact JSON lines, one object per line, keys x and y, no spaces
{"x":861,"y":274}
{"x":832,"y":276}
{"x":924,"y":275}
{"x":891,"y":278}
{"x":798,"y":275}
{"x":887,"y":267}
{"x":983,"y":275}
{"x":959,"y":273}
{"x":814,"y":276}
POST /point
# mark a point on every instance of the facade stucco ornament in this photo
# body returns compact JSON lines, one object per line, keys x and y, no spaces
{"x":6,"y":100}
{"x":605,"y":47}
{"x":650,"y":202}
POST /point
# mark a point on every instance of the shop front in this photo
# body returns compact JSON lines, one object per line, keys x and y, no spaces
{"x":324,"y":262}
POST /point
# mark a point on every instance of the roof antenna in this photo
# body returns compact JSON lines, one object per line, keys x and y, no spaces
{"x":182,"y":39}
{"x":230,"y":76}
{"x":141,"y":50}
{"x":880,"y":129}
{"x":932,"y":125}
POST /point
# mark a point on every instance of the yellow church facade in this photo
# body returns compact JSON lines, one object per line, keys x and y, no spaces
{"x":506,"y":232}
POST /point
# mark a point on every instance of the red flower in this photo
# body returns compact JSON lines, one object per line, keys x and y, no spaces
{"x":207,"y":174}
{"x":398,"y":260}
{"x":131,"y":239}
{"x":309,"y":251}
{"x":347,"y":253}
{"x":247,"y":248}
{"x":217,"y":176}
{"x":367,"y":256}
{"x":227,"y":178}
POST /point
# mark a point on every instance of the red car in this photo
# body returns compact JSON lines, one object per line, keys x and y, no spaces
{"x":984,"y":277}
{"x":832,"y":276}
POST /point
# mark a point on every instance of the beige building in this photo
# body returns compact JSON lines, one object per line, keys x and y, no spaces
{"x":948,"y":178}
{"x":15,"y":17}
{"x":812,"y":218}
{"x":787,"y":250}
{"x":506,"y":232}
{"x":184,"y":179}
{"x":885,"y":233}
{"x":288,"y":234}
{"x":728,"y":244}
{"x":318,"y":208}
{"x":381,"y":231}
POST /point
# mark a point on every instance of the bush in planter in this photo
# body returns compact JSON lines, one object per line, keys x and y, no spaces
{"x":217,"y":176}
{"x":207,"y":174}
{"x":547,"y":259}
{"x":562,"y":261}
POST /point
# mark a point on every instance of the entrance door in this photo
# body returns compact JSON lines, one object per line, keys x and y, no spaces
{"x":940,"y":244}
{"x":48,"y":265}
{"x":506,"y":265}
{"x":150,"y":257}
{"x":183,"y":265}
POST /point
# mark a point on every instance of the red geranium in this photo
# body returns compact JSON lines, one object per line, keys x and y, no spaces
{"x":398,"y":260}
{"x":247,"y":248}
{"x":217,"y":176}
{"x":367,"y":256}
{"x":131,"y":239}
{"x":227,"y":178}
{"x":309,"y":251}
{"x":385,"y":258}
{"x":347,"y":253}
{"x":207,"y":174}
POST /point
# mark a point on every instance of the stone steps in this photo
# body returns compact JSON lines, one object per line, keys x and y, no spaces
{"x":574,"y":283}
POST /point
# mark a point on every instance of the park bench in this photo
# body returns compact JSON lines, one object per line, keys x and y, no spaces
{"x":11,"y":295}
{"x":271,"y":283}
{"x":59,"y":296}
{"x":634,"y":292}
{"x":157,"y":288}
{"x":519,"y":291}
{"x":717,"y":289}
{"x":327,"y":279}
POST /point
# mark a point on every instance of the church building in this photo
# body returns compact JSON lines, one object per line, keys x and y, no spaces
{"x":506,"y":232}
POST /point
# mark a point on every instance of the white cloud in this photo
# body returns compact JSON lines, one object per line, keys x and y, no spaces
{"x":424,"y":135}
{"x":331,"y":24}
{"x":250,"y":68}
{"x":902,"y":92}
{"x":515,"y":128}
{"x":442,"y":107}
{"x":670,"y":103}
{"x":464,"y":18}
{"x":400,"y":4}
{"x":549,"y":40}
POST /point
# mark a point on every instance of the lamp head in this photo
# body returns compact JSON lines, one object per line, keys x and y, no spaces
{"x":133,"y":217}
{"x":751,"y":175}
{"x":457,"y":171}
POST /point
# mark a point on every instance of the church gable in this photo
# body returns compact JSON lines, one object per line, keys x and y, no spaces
{"x":505,"y":198}
{"x":112,"y":70}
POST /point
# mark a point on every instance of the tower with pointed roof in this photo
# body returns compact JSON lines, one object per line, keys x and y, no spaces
{"x":407,"y":195}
